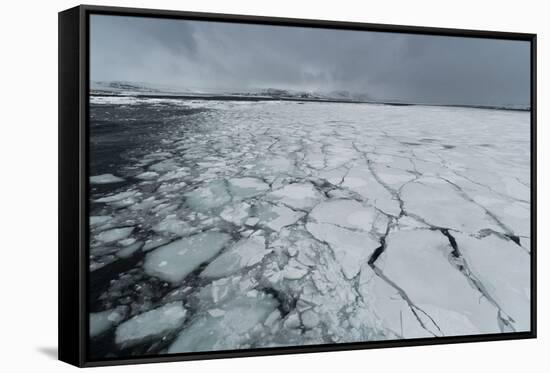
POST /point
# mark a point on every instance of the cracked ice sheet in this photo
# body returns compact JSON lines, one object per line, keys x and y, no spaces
{"x":419,"y":263}
{"x":508,"y":282}
{"x":320,"y":184}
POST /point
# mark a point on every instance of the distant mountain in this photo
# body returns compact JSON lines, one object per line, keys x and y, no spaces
{"x":133,"y":88}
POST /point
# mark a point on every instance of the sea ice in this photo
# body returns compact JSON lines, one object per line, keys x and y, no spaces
{"x":276,"y":217}
{"x":174,"y":261}
{"x":298,"y":196}
{"x":246,"y":187}
{"x":105,"y":179}
{"x":150,"y":324}
{"x":242,"y":318}
{"x":114,"y":234}
{"x":102,"y":321}
{"x":209,"y":197}
{"x":149,"y":175}
{"x":245,"y":253}
{"x":416,"y":261}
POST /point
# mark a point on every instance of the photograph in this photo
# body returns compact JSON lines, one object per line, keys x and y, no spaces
{"x":257,"y":186}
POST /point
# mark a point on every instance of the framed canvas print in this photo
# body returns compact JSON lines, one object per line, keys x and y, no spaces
{"x":238,"y":186}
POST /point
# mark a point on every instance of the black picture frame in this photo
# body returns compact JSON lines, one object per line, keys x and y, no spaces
{"x":74,"y":185}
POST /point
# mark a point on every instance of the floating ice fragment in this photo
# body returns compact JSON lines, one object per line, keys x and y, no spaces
{"x":114,"y":234}
{"x":149,"y":175}
{"x":246,"y":187}
{"x":174,"y":261}
{"x":244,"y":253}
{"x":310,"y":319}
{"x":277,"y":217}
{"x":418,"y":262}
{"x":105,"y":179}
{"x":236,"y":326}
{"x":118,"y":197}
{"x":150,"y":324}
{"x":177,"y":174}
{"x":172,"y":224}
{"x":164,"y":166}
{"x":208,"y":197}
{"x":100,"y":322}
{"x":129,"y":250}
{"x":350,"y":248}
{"x":235,"y":213}
{"x":98,"y":220}
{"x":299,"y":196}
{"x":346,"y":213}
{"x":503,"y":268}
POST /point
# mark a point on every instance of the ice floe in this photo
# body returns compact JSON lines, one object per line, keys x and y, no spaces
{"x":150,"y":324}
{"x":105,"y":179}
{"x":174,"y":261}
{"x":245,"y":253}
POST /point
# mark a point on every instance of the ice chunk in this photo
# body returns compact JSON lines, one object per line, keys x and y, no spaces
{"x":129,"y":250}
{"x":114,"y":234}
{"x":393,"y":311}
{"x":504,"y":270}
{"x":228,"y":331}
{"x":360,"y":180}
{"x":294,"y":270}
{"x":345,"y":213}
{"x":277,"y":217}
{"x":100,"y":322}
{"x":350,"y":248}
{"x":118,"y":197}
{"x":246,"y":187}
{"x":171,"y":224}
{"x":235,"y":213}
{"x":418,"y":262}
{"x":208,"y":197}
{"x":150,"y":324}
{"x":164,"y":166}
{"x":105,"y":179}
{"x":176,"y":260}
{"x":441,"y":205}
{"x":244,"y":253}
{"x":155,"y":242}
{"x":310,"y":319}
{"x":177,"y":174}
{"x":299,"y":196}
{"x":98,"y":220}
{"x":149,"y":175}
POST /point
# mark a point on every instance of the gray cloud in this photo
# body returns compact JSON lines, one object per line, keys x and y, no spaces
{"x":227,"y":56}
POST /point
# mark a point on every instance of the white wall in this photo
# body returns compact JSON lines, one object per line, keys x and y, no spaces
{"x":28,"y":185}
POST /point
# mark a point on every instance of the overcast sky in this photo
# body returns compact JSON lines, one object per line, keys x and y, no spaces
{"x":212,"y":56}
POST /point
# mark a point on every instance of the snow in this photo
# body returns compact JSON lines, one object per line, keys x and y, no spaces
{"x":150,"y":324}
{"x":174,"y":261}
